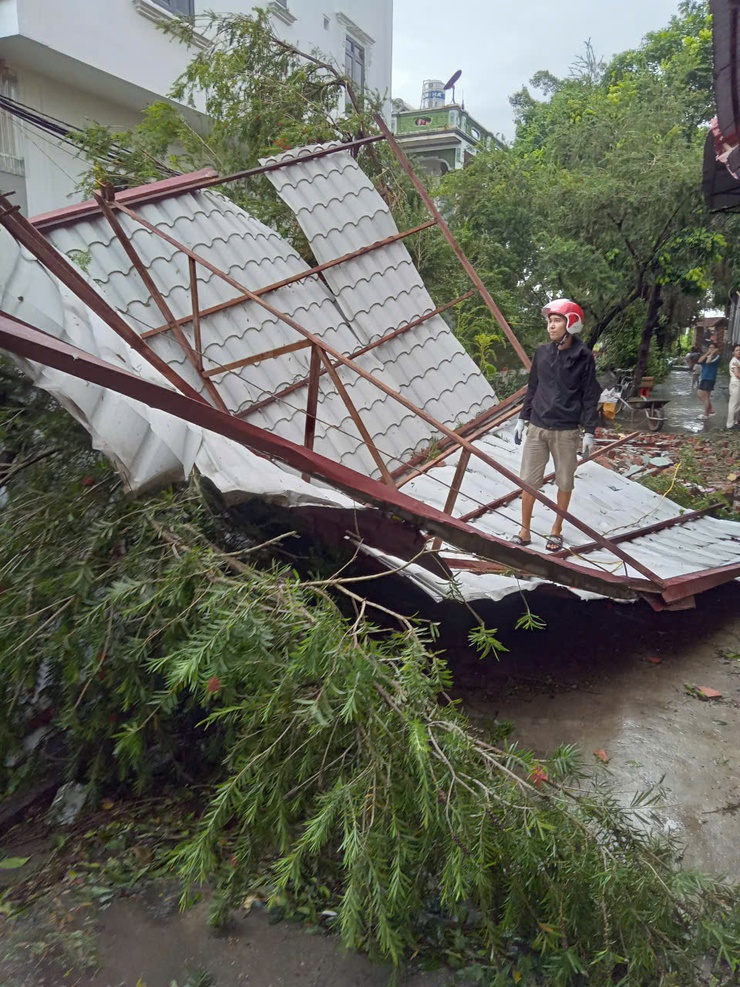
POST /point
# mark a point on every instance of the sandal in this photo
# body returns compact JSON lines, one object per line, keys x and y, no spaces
{"x":554,"y":543}
{"x":523,"y":542}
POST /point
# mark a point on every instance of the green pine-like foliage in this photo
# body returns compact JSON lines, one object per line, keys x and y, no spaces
{"x":159,"y":644}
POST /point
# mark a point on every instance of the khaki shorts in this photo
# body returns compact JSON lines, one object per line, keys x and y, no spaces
{"x":540,"y":444}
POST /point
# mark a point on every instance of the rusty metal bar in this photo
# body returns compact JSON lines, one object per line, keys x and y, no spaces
{"x":142,"y":195}
{"x":679,"y":587}
{"x":193,"y":272}
{"x":156,"y":295}
{"x":312,"y":399}
{"x":32,"y":344}
{"x":249,"y":361}
{"x":473,"y":435}
{"x":449,"y":237}
{"x":452,"y":494}
{"x":409,"y":405}
{"x":301,"y":276}
{"x":58,"y":265}
{"x":204,"y":313}
{"x":479,"y":567}
{"x":649,"y":529}
{"x":259,"y":405}
{"x":276,"y":165}
{"x":356,"y":418}
{"x":485,"y":417}
{"x":514,"y":494}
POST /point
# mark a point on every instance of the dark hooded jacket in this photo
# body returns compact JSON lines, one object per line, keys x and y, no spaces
{"x":563,"y":392}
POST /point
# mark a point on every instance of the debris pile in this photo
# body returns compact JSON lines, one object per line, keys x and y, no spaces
{"x":703,"y":466}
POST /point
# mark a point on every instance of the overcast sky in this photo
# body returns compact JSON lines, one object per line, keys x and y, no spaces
{"x":500,"y":44}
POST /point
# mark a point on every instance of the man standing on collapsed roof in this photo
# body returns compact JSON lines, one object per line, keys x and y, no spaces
{"x":562,"y":397}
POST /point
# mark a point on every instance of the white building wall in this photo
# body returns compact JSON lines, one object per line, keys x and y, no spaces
{"x":52,"y":166}
{"x":87,"y":60}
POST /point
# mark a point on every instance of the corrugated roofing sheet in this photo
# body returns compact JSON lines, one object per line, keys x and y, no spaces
{"x":148,"y":447}
{"x":450,"y":386}
{"x":607,"y":501}
{"x":340,"y":211}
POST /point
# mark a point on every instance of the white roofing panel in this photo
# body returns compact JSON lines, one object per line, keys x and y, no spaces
{"x":340,"y":211}
{"x":606,"y":501}
{"x":149,"y":448}
{"x":256,"y":256}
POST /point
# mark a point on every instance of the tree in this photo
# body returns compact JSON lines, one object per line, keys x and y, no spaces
{"x":599,"y":195}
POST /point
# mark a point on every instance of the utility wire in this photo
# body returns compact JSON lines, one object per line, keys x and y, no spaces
{"x":61,"y":130}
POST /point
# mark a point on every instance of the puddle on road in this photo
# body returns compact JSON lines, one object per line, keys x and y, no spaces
{"x":684,"y":412}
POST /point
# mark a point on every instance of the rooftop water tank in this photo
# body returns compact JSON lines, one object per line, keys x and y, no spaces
{"x":432,"y":94}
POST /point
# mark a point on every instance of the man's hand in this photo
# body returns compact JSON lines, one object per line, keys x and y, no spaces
{"x":519,"y":431}
{"x":589,"y":443}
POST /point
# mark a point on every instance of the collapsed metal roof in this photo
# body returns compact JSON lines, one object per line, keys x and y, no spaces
{"x":198,"y":337}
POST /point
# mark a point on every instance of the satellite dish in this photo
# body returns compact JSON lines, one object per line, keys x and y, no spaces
{"x":451,"y":83}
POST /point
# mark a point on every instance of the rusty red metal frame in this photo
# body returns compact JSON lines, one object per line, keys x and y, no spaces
{"x":298,"y":159}
{"x":452,"y":495}
{"x":195,"y":359}
{"x":332,"y":359}
{"x":29,"y":343}
{"x":301,"y":276}
{"x":193,"y":275}
{"x":476,"y":429}
{"x":179,"y":185}
{"x":337,"y":356}
{"x":249,"y":361}
{"x":298,"y":384}
{"x":449,"y":237}
{"x":649,"y":529}
{"x":26,"y":234}
{"x":312,"y":398}
{"x":390,"y":392}
{"x":48,"y":221}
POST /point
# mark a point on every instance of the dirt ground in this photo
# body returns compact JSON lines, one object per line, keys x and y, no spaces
{"x":144,"y":941}
{"x":613,"y":678}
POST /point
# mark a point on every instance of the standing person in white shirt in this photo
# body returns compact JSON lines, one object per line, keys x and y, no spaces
{"x":733,"y":409}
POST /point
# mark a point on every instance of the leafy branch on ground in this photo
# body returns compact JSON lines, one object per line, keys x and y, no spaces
{"x":159,"y":645}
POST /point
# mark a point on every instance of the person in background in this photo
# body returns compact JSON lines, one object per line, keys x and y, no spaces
{"x":562,"y":396}
{"x":696,"y":372}
{"x":733,"y":409}
{"x":709,"y":363}
{"x":692,"y":356}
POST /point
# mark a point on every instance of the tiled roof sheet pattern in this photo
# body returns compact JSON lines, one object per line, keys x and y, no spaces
{"x":149,"y":448}
{"x":340,"y":211}
{"x":255,"y":256}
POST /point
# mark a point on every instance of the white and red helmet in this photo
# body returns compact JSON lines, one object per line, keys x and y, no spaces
{"x":564,"y":306}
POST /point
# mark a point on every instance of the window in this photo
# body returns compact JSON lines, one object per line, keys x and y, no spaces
{"x":354,"y":62}
{"x":280,"y":9}
{"x":183,"y":7}
{"x":11,"y":152}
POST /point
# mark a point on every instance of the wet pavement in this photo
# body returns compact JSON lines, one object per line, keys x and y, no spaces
{"x":684,"y":411}
{"x":623,"y":680}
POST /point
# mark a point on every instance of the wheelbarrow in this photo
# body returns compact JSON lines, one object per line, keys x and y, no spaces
{"x":654,"y":409}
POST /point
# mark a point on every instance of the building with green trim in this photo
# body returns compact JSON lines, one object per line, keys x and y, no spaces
{"x":440,"y":138}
